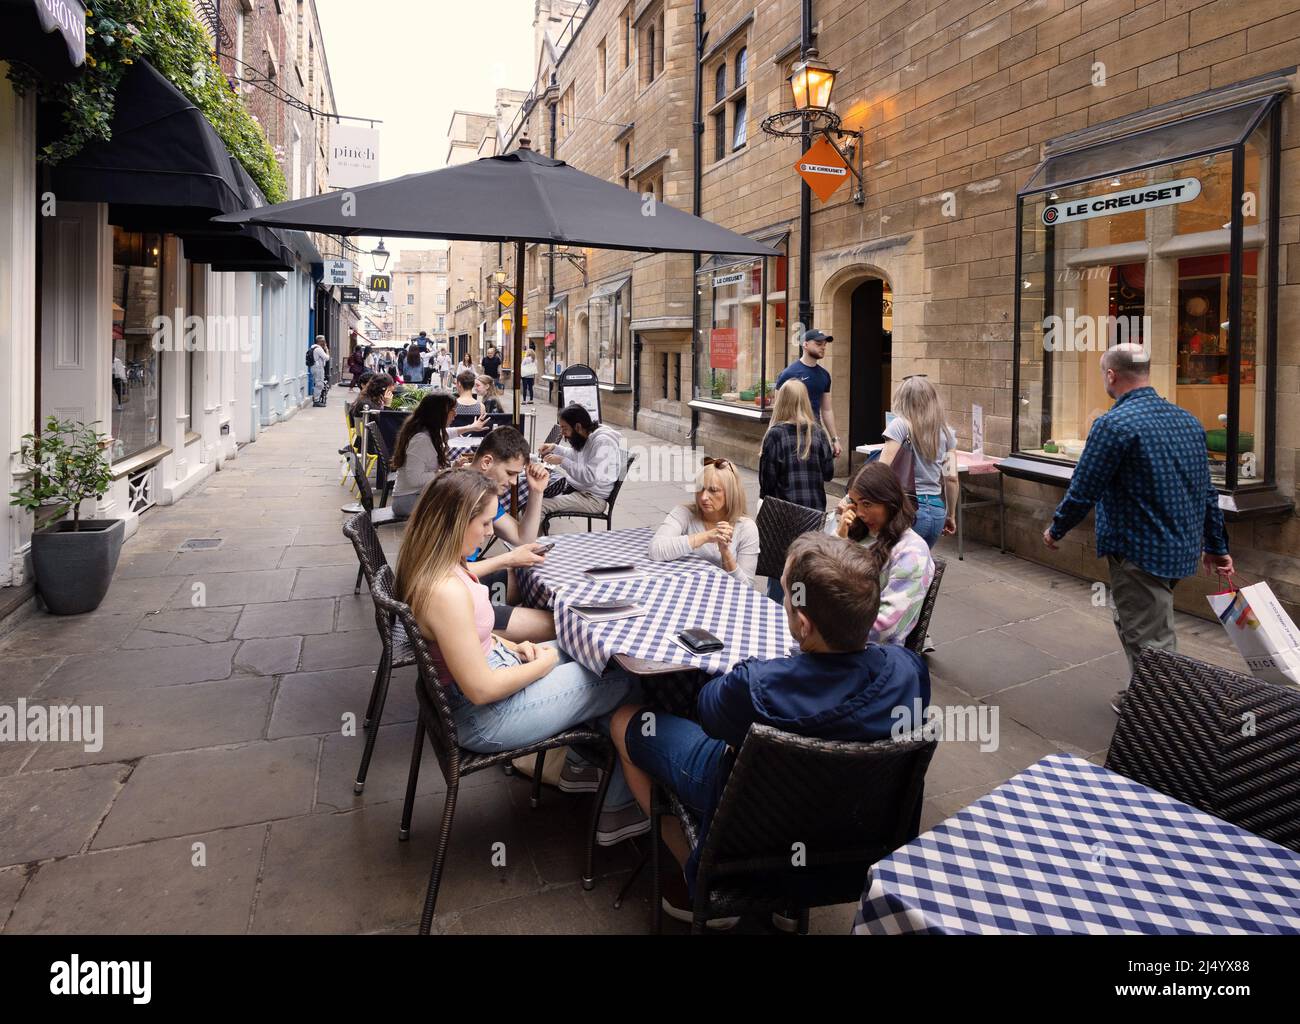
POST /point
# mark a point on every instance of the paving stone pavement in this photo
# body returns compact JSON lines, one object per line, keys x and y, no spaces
{"x":221,"y":800}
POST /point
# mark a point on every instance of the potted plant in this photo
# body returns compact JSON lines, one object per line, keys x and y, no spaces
{"x":73,"y":560}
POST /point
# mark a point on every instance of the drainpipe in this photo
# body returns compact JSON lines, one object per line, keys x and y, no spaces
{"x":697,"y":125}
{"x":550,"y":277}
{"x":806,"y":50}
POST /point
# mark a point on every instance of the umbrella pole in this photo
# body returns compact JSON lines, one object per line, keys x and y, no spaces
{"x":518,"y":347}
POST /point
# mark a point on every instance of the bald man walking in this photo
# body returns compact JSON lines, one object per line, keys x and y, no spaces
{"x":1146,"y":469}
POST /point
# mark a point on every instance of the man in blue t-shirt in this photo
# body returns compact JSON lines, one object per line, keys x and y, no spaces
{"x":816,"y":379}
{"x":839,"y":687}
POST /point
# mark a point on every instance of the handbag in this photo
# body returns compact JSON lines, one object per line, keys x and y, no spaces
{"x":1261,"y":630}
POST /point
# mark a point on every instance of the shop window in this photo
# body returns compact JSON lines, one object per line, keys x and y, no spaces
{"x":740,"y":335}
{"x":609,"y":312}
{"x":555,"y":344}
{"x":136,"y":313}
{"x":1131,"y":241}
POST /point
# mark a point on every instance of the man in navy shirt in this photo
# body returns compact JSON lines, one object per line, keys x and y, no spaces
{"x":839,"y":687}
{"x":1146,"y":469}
{"x":816,"y":379}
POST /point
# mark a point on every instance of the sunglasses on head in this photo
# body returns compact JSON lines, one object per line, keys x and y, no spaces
{"x":717,"y":463}
{"x":911,"y":375}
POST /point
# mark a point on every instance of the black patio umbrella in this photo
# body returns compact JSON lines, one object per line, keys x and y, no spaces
{"x":518,"y":197}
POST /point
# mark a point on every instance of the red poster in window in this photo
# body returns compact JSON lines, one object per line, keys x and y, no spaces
{"x":722,"y":348}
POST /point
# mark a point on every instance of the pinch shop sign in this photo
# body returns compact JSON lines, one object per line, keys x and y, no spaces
{"x":1144,"y":197}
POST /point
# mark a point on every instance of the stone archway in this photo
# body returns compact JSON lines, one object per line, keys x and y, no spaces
{"x":858,"y":303}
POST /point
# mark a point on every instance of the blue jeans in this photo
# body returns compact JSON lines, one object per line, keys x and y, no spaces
{"x":568,"y":695}
{"x":311,"y":382}
{"x":930,"y":516}
{"x":679,"y":754}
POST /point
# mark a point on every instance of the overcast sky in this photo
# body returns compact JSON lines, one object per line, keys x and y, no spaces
{"x":410,"y":63}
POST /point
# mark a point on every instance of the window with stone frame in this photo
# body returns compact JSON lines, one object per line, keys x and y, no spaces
{"x":602,"y":70}
{"x":626,"y":26}
{"x":623,"y":160}
{"x":564,"y":125}
{"x":730,"y":98}
{"x":650,"y":44}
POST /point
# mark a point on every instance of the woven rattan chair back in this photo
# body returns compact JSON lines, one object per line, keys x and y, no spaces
{"x":808,"y":817}
{"x":779,"y":523}
{"x":365,"y":494}
{"x":554,"y":436}
{"x":916,"y":638}
{"x":435,"y":710}
{"x":1216,"y":739}
{"x":370,"y":555}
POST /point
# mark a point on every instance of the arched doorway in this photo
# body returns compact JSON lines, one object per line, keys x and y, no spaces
{"x":871,"y":333}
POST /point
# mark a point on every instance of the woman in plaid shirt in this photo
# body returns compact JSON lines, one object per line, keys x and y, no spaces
{"x":796,"y":460}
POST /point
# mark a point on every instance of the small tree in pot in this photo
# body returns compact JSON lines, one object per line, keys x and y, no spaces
{"x":73,"y":560}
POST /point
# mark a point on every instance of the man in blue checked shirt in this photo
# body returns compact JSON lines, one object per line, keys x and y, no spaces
{"x":1147,"y":470}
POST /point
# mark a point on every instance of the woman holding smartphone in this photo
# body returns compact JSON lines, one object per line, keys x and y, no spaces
{"x":502,"y":694}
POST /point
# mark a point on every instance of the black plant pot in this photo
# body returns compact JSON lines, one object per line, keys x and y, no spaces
{"x":73,"y":568}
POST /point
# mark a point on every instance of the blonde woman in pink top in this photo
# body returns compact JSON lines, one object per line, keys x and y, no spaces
{"x":502,"y":694}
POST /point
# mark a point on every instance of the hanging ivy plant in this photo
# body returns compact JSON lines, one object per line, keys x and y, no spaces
{"x":166,"y":34}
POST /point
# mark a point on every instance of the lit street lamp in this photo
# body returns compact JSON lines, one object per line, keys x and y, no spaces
{"x":811,"y":81}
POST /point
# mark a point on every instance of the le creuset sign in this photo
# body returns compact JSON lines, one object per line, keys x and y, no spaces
{"x":1144,"y":197}
{"x":725,"y":279}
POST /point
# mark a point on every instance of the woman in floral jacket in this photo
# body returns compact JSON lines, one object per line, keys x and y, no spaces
{"x":877,"y":514}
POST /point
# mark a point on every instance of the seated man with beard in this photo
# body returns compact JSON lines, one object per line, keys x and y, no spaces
{"x":591,"y":457}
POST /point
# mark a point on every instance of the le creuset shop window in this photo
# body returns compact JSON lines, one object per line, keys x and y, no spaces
{"x":555,"y":345}
{"x":609,"y":336}
{"x":740,"y":336}
{"x":1166,"y":238}
{"x":136,"y":300}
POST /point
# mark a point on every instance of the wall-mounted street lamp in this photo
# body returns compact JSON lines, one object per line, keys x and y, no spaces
{"x":379,"y":256}
{"x":811,"y":81}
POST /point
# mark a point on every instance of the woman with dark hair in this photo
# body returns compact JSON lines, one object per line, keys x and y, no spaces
{"x":410,"y":366}
{"x":467,"y":401}
{"x":356,"y":366}
{"x":376,"y":394}
{"x":878,"y":515}
{"x":421,"y":448}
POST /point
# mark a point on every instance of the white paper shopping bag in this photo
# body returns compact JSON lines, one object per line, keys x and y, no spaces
{"x":1262,"y":631}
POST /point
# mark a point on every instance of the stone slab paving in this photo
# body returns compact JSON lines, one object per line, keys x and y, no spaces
{"x":222,"y":798}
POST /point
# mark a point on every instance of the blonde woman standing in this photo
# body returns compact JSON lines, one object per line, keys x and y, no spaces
{"x":714,"y":525}
{"x":797,"y":459}
{"x":502,"y":694}
{"x":919,"y":424}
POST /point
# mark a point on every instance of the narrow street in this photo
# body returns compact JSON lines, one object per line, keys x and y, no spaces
{"x":221,"y":800}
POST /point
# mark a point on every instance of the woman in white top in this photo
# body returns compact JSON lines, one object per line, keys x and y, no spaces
{"x":714,"y":525}
{"x":528,"y":375}
{"x":919,"y":423}
{"x":421,"y":449}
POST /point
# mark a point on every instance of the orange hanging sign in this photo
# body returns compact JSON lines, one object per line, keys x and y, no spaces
{"x":823,"y":169}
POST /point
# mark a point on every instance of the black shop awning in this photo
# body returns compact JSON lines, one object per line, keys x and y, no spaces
{"x":47,"y":35}
{"x":164,"y":168}
{"x":247,"y":247}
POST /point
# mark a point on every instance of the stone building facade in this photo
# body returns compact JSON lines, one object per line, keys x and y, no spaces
{"x":962,"y":107}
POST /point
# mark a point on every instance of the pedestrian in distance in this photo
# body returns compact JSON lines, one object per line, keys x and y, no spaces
{"x":1146,"y":469}
{"x":816,"y":379}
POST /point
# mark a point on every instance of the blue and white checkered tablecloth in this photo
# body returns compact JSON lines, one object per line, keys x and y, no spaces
{"x":749,"y":623}
{"x":460,"y":445}
{"x":1067,"y":846}
{"x":576,"y":552}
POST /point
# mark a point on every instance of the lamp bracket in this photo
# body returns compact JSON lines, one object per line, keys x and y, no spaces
{"x":795,"y":124}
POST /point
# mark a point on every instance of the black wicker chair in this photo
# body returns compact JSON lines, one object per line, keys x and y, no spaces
{"x":435,"y":721}
{"x":607,"y":517}
{"x":843,"y":805}
{"x":555,"y":435}
{"x":916,"y":638}
{"x":385,"y":477}
{"x":1218,"y":740}
{"x":366,"y":496}
{"x":396,"y":649}
{"x":779,"y":523}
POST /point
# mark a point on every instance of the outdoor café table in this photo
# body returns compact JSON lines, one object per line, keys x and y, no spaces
{"x":748,"y":623}
{"x":576,"y":552}
{"x":457,"y":446}
{"x":1069,"y":847}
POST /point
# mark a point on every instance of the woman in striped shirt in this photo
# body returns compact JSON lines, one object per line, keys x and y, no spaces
{"x":877,"y":514}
